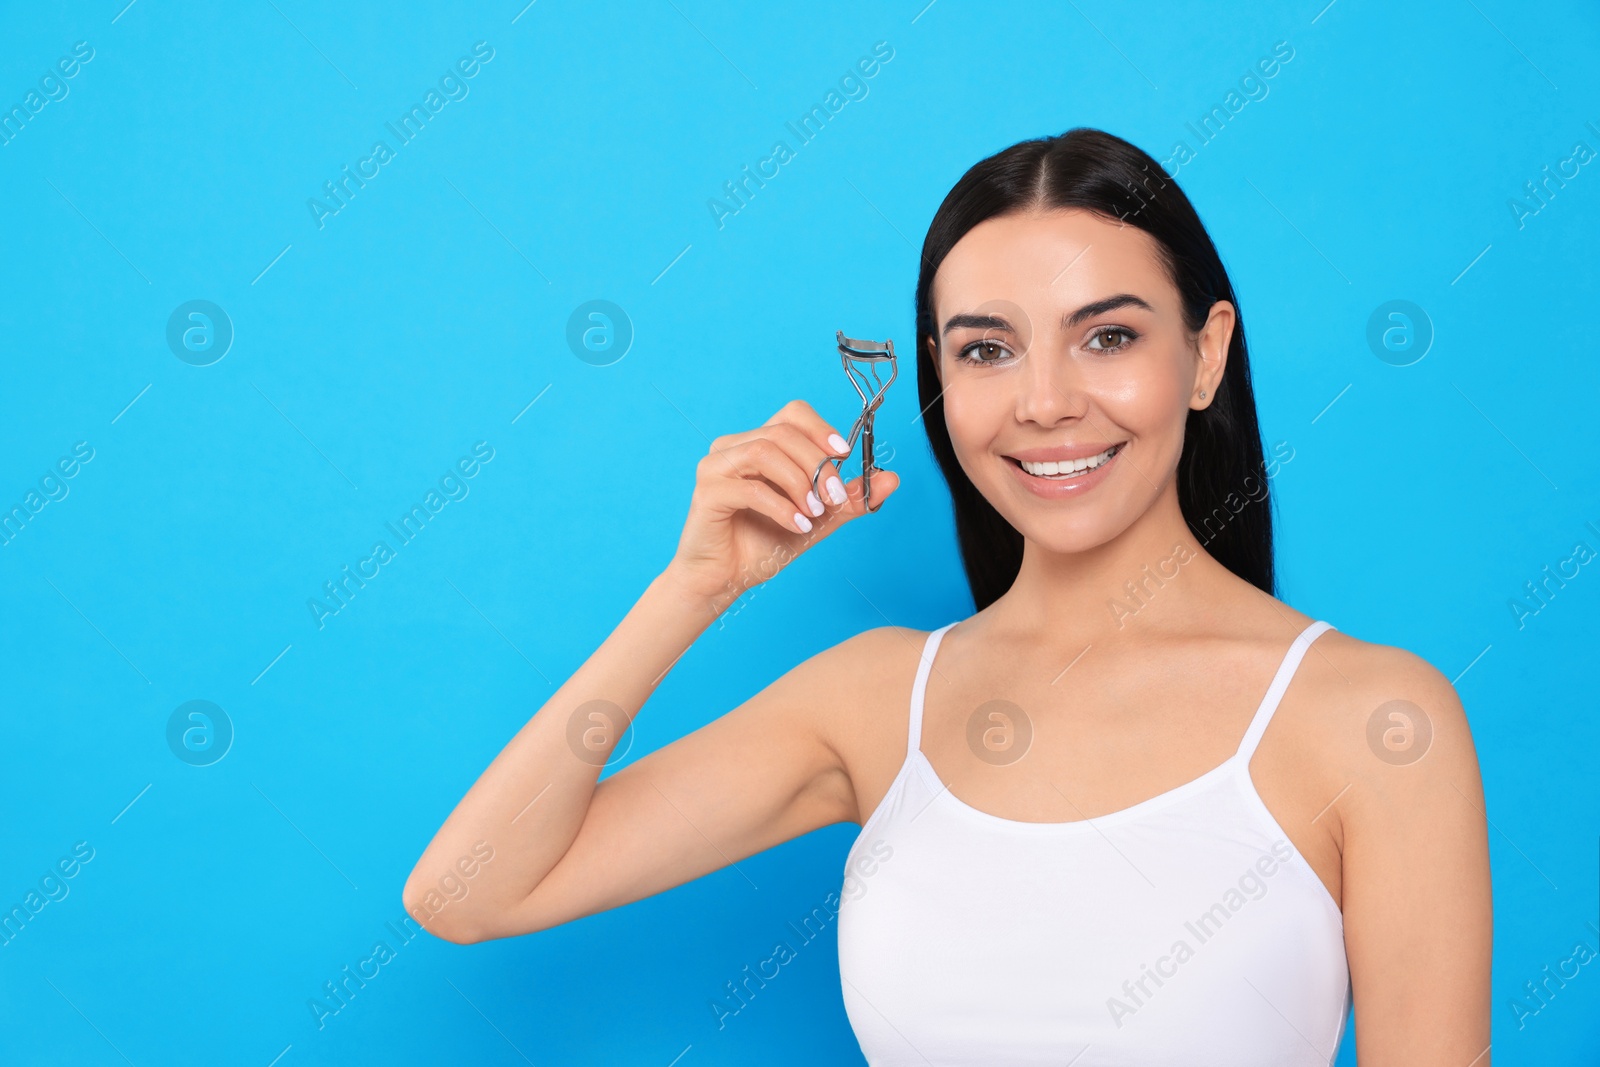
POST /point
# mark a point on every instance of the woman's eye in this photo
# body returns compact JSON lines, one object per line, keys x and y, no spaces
{"x":1123,"y":338}
{"x":983,"y":352}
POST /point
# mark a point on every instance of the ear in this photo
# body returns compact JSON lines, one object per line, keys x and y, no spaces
{"x":1216,"y":336}
{"x":933,"y":356}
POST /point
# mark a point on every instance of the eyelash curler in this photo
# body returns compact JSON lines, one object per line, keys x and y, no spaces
{"x":868,"y":354}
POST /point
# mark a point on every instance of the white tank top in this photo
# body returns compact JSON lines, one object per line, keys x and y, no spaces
{"x":1186,"y":929}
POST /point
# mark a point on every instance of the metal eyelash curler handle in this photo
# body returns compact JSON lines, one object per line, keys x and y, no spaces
{"x":868,"y":353}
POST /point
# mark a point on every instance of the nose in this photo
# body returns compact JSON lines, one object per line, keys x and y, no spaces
{"x":1051,"y":386}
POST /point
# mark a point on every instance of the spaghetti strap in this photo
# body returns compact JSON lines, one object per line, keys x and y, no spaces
{"x":919,"y":688}
{"x":1280,"y":683}
{"x":969,"y":939}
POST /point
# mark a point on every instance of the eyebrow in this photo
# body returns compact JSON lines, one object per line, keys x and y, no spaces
{"x":1088,"y":311}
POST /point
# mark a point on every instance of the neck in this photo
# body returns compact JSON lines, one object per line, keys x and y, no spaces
{"x":1154,"y":571}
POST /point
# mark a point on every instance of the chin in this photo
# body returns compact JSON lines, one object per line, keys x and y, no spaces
{"x":1070,"y":542}
{"x":1063,"y":535}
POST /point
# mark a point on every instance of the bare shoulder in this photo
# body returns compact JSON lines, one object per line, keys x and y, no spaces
{"x":1413,"y":847}
{"x":836,"y":680}
{"x":864,"y":684}
{"x":868,"y":649}
{"x":1394,"y":728}
{"x":1362,"y":678}
{"x":862,"y":677}
{"x":858,"y":667}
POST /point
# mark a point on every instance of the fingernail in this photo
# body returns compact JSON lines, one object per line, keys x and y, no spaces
{"x":813,"y":503}
{"x":838,"y":444}
{"x":802,"y":522}
{"x":836,"y":490}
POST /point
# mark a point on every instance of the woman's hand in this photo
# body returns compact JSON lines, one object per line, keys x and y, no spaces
{"x":753,"y":510}
{"x":759,"y":776}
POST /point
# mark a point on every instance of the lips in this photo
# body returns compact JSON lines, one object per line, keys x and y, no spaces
{"x":1067,"y":476}
{"x":1063,"y":468}
{"x":1063,"y":453}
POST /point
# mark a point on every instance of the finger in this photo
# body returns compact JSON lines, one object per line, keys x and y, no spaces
{"x":799,"y":413}
{"x":785,"y":456}
{"x":884,"y":483}
{"x":827,"y":442}
{"x":767,"y":460}
{"x":821,"y":486}
{"x":727,"y":494}
{"x":822,"y":480}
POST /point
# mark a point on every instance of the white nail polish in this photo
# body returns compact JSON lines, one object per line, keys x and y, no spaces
{"x":802,"y":522}
{"x":836,"y":490}
{"x":837,"y":443}
{"x":813,"y":503}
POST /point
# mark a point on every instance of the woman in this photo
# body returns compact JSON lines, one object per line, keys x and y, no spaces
{"x":1139,"y":811}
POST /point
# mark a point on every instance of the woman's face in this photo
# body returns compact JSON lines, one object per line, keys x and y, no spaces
{"x":1059,"y":337}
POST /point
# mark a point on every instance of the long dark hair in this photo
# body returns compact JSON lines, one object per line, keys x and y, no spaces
{"x":1094,"y":170}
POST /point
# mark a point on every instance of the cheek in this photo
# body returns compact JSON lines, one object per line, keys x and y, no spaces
{"x":974,"y":412}
{"x":1146,"y":397}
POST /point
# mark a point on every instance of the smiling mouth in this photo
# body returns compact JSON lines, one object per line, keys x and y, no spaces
{"x":1070,"y":468}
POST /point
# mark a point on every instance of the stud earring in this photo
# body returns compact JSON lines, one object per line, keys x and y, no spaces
{"x":1202,"y":394}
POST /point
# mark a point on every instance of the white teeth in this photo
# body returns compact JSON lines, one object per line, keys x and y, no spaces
{"x":1075,"y":466}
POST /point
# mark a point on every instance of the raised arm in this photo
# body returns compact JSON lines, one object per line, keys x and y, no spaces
{"x":536,"y":842}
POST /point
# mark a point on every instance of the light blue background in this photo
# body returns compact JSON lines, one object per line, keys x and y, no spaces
{"x":428,"y":313}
